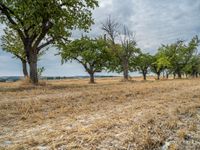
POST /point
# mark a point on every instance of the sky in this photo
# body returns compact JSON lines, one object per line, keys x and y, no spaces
{"x":154,"y":22}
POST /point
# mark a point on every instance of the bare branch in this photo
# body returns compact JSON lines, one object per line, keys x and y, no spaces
{"x":45,"y":44}
{"x":46,"y":27}
{"x":7,"y":12}
{"x":111,"y":27}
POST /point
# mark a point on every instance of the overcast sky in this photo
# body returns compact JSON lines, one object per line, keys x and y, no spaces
{"x":154,"y":22}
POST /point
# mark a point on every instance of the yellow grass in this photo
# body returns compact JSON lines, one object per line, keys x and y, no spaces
{"x":72,"y":114}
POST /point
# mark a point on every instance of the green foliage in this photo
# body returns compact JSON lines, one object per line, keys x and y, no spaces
{"x":193,"y":66}
{"x":40,"y":71}
{"x":124,"y":50}
{"x":143,"y":63}
{"x":160,"y":62}
{"x":122,"y":54}
{"x":176,"y":56}
{"x":33,"y":16}
{"x":40,"y":23}
{"x":12,"y":43}
{"x":91,"y":53}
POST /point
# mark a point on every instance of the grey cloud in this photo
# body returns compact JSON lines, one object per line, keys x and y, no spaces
{"x":154,"y":22}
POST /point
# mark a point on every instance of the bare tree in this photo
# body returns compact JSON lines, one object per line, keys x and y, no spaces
{"x":129,"y":51}
{"x":125,"y":51}
{"x":111,"y":27}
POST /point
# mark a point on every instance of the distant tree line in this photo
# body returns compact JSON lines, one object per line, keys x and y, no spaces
{"x":34,"y":25}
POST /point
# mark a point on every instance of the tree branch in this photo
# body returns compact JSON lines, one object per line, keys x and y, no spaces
{"x":45,"y":44}
{"x":7,"y":12}
{"x":20,"y":57}
{"x":46,"y":26}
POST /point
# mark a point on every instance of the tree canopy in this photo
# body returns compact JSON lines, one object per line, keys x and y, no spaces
{"x":43,"y":22}
{"x":143,"y":63}
{"x":12,"y":43}
{"x":123,"y":47}
{"x":91,"y":53}
{"x":160,"y":63}
{"x":179,"y":54}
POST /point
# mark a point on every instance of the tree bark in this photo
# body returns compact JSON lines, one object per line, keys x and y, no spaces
{"x":125,"y":70}
{"x":33,"y":67}
{"x":179,"y":75}
{"x":24,"y":68}
{"x":196,"y":74}
{"x":174,"y":75}
{"x":167,"y":75}
{"x":92,"y":78}
{"x":163,"y":74}
{"x":125,"y":74}
{"x":144,"y":76}
{"x":158,"y":75}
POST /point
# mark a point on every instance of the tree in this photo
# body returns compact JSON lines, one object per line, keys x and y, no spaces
{"x":91,"y":53}
{"x":193,"y":67}
{"x":124,"y":51}
{"x":128,"y":52}
{"x":179,"y":54}
{"x":160,"y":63}
{"x":143,"y":63}
{"x":40,"y":23}
{"x":12,"y":43}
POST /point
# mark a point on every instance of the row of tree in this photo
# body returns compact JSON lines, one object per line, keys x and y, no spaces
{"x":33,"y":25}
{"x":40,"y":23}
{"x":103,"y":53}
{"x":100,"y":54}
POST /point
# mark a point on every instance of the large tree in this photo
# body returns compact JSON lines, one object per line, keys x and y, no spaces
{"x":40,"y":23}
{"x":91,"y":53}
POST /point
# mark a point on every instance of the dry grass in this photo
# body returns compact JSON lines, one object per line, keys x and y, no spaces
{"x":73,"y":114}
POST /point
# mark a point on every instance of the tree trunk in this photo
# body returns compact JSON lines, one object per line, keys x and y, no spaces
{"x":174,"y":75}
{"x":92,"y":78}
{"x":163,"y":74}
{"x":144,"y":75}
{"x":196,"y":74}
{"x":167,"y":75}
{"x":179,"y":75}
{"x":193,"y":74}
{"x":158,"y":76}
{"x":125,"y":70}
{"x":24,"y":68}
{"x":125,"y":74}
{"x":33,"y":67}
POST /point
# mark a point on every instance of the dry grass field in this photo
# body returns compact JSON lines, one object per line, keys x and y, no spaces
{"x":109,"y":115}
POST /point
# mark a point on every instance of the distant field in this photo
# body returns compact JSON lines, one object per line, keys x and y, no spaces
{"x":72,"y":114}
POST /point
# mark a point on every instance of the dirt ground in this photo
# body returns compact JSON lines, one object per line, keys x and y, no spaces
{"x":109,"y":115}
